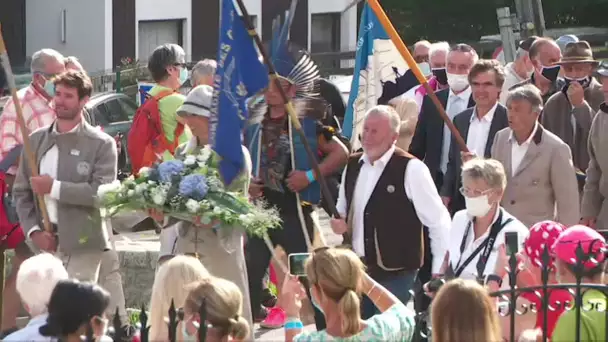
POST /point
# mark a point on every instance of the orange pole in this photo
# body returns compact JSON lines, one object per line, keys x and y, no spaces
{"x":405,"y":53}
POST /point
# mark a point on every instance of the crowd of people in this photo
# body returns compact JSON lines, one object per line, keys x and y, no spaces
{"x":412,"y":206}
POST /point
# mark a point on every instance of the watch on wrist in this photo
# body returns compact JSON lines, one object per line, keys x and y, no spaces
{"x":494,"y":277}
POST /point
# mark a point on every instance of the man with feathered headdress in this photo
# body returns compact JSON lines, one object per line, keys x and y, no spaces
{"x":283,"y":173}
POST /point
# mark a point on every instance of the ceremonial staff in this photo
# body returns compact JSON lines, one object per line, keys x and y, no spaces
{"x":29,"y":154}
{"x":289,"y":108}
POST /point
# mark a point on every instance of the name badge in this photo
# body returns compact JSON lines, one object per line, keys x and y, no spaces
{"x":75,"y":152}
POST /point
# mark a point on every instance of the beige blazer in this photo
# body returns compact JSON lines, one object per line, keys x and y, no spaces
{"x":544,"y":186}
{"x":87,"y":158}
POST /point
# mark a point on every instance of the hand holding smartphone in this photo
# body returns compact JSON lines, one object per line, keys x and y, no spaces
{"x":296,"y":262}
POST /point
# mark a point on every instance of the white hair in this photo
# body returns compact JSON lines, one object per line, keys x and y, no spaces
{"x":424,"y":43}
{"x":203,"y":68}
{"x":73,"y":60}
{"x":36,"y":280}
{"x":439,"y":47}
{"x":388,"y":112}
{"x":41,"y":57}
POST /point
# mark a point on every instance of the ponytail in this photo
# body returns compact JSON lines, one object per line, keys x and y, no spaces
{"x":349,"y":306}
{"x":238,"y":328}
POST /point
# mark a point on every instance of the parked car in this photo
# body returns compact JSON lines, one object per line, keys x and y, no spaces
{"x":113,"y":113}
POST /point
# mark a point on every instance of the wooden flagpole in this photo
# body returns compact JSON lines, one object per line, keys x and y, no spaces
{"x":289,"y":108}
{"x":27,"y":148}
{"x":405,"y":53}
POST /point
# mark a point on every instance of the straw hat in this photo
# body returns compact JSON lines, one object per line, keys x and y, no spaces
{"x":578,"y":52}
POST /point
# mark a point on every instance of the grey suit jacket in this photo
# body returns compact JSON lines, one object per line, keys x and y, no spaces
{"x":544,"y":186}
{"x":87,"y":158}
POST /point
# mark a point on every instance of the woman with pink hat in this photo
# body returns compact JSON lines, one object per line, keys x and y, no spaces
{"x":530,"y":259}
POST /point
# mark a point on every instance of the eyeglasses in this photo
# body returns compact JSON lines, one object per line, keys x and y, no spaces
{"x":473,"y":193}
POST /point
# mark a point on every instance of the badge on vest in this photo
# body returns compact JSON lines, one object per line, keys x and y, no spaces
{"x":390,"y":189}
{"x":83,"y":168}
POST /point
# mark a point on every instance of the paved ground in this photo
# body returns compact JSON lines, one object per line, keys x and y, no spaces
{"x":147,"y":241}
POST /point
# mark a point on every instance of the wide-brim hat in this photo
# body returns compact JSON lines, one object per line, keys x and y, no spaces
{"x":578,"y":52}
{"x":198,"y":102}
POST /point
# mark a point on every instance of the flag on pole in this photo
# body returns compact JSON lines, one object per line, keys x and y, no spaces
{"x":381,"y":74}
{"x":240,"y":74}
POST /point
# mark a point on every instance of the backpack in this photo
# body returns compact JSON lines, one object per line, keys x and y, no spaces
{"x":146,"y":141}
{"x":11,"y":234}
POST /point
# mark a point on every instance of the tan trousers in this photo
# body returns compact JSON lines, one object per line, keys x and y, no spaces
{"x":102,"y":267}
{"x":222,"y":263}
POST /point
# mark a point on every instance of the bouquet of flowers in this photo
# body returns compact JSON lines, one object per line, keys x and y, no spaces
{"x":189,"y":190}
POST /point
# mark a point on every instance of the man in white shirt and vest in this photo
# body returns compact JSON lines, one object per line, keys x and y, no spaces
{"x":386,"y":195}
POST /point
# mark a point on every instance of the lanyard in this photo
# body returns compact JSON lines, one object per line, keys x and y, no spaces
{"x":485,"y":247}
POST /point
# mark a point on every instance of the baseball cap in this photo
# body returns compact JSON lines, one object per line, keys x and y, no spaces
{"x":542,"y":235}
{"x":592,"y":243}
{"x":198,"y":102}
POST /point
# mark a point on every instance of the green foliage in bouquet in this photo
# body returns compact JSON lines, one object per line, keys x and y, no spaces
{"x":188,"y":189}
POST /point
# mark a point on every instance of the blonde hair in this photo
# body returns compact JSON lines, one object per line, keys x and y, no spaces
{"x":168,"y":286}
{"x":491,"y":171}
{"x":463,"y":311}
{"x":338,"y":274}
{"x":224,"y":306}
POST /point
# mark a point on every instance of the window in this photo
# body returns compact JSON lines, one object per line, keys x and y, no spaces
{"x":325,"y":32}
{"x":112,"y":111}
{"x":128,"y":107}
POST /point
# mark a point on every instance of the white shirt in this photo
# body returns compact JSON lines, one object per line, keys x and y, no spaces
{"x":519,"y":151}
{"x":479,"y":130}
{"x":420,"y":190}
{"x":455,"y":105}
{"x":459,"y":226}
{"x":48,"y":166}
{"x":30,"y":331}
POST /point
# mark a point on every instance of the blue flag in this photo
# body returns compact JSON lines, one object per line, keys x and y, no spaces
{"x":240,"y":74}
{"x":381,"y":74}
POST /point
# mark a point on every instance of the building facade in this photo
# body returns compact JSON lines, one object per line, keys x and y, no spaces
{"x":102,"y":32}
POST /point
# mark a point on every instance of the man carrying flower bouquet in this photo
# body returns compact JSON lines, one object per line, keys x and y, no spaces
{"x":283,"y":173}
{"x":219,"y":248}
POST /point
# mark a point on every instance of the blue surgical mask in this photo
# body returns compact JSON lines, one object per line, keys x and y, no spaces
{"x":183,"y":75}
{"x":49,"y":88}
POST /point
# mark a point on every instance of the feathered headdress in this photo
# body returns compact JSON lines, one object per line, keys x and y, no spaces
{"x":297,"y":67}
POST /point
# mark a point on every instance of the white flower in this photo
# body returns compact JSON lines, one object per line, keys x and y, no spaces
{"x":151,"y":182}
{"x":130,"y":193}
{"x":192,"y":206}
{"x":140,"y":188}
{"x":144,"y":171}
{"x":217,"y":210}
{"x":159,"y":196}
{"x":204,"y":154}
{"x":104,"y":189}
{"x":190,"y":160}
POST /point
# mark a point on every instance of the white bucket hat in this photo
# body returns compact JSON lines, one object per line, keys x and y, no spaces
{"x":198,"y":102}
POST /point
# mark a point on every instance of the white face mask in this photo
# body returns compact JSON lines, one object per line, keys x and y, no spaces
{"x":478,"y":206}
{"x":458,"y":82}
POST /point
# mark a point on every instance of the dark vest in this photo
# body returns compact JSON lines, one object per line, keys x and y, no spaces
{"x":392,"y":231}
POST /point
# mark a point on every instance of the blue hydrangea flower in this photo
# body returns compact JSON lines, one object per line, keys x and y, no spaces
{"x":167,"y":169}
{"x":194,"y":186}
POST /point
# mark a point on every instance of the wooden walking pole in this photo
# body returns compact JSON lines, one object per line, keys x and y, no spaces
{"x":27,"y":148}
{"x":405,"y":53}
{"x":293,"y":117}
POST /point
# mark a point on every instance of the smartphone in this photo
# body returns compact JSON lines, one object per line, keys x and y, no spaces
{"x":296,"y":264}
{"x":512,"y":243}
